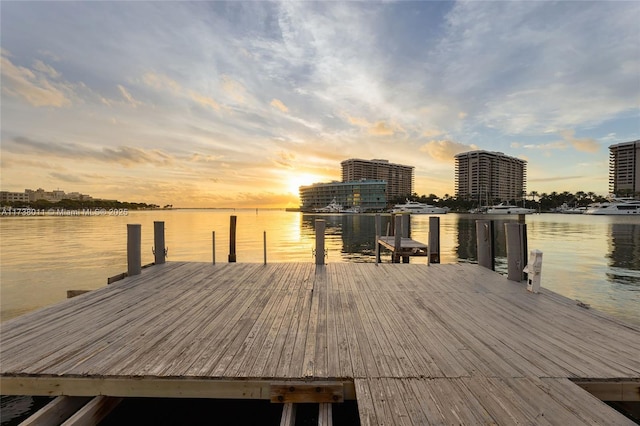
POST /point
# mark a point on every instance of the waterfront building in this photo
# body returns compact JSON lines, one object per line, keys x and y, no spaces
{"x":399,"y":178}
{"x":624,"y":168}
{"x":10,"y":197}
{"x":363,"y":195}
{"x":489,"y":177}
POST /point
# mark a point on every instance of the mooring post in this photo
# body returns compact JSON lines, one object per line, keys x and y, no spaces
{"x":320,"y":225}
{"x":434,"y":239}
{"x":232,"y":239}
{"x":397,"y":240}
{"x":377,"y":241}
{"x":159,"y":251}
{"x":213,"y":245}
{"x":134,"y":256}
{"x":405,"y":225}
{"x":484,"y":244}
{"x":406,"y":221}
{"x":516,"y":250}
{"x":264,"y":243}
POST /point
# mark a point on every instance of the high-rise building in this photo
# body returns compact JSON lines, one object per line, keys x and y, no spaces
{"x":399,"y":178}
{"x":489,"y":176}
{"x":624,"y":168}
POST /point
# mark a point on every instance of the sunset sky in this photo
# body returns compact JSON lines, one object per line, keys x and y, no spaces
{"x":237,"y":104}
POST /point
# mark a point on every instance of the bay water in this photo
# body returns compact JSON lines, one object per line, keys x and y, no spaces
{"x":593,"y":259}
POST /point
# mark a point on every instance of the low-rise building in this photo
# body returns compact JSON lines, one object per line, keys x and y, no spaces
{"x":13,"y":197}
{"x":363,"y":195}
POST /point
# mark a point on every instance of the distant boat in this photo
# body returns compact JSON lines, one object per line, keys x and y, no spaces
{"x":565,"y":209}
{"x":415,"y":207}
{"x":617,"y":206}
{"x":508,"y":209}
{"x":332,"y":207}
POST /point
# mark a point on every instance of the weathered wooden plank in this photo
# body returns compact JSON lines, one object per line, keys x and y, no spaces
{"x":56,"y":412}
{"x":325,"y":415}
{"x":93,"y":412}
{"x":288,"y":414}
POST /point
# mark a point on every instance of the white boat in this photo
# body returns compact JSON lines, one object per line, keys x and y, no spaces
{"x":617,"y":206}
{"x":417,"y":208}
{"x":565,"y":209}
{"x":508,"y":209}
{"x":332,"y":207}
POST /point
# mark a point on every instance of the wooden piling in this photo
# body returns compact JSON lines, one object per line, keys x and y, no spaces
{"x":484,"y":244}
{"x":434,"y":239}
{"x":516,"y":236}
{"x":264,"y":243}
{"x":232,"y":239}
{"x":378,"y":222}
{"x":320,"y":226}
{"x":213,"y":245}
{"x":406,"y":221}
{"x":158,"y":242}
{"x":134,"y":254}
{"x":397,"y":241}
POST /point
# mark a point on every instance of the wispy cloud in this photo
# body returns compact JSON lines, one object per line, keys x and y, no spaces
{"x":34,"y":85}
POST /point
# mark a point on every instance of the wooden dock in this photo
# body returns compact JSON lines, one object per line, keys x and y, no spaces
{"x":413,"y":344}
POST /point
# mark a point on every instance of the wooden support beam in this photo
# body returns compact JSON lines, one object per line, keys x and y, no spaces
{"x":325,"y":415}
{"x":92,"y":413}
{"x":118,"y":277}
{"x":288,"y":415}
{"x":628,"y":391}
{"x":74,"y":293}
{"x":144,"y":387}
{"x":296,"y":391}
{"x":56,"y":412}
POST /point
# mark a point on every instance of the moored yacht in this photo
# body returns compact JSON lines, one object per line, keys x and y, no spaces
{"x":417,"y":208}
{"x":617,"y":206}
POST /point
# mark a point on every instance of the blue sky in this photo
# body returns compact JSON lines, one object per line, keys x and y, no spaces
{"x":238,"y":103}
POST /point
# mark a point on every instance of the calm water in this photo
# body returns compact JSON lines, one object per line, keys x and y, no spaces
{"x":595,"y":259}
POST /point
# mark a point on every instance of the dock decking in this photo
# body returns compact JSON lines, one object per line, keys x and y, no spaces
{"x":414,"y":344}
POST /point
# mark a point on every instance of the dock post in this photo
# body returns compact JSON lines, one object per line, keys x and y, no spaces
{"x":484,"y":244}
{"x":134,"y":256}
{"x":159,"y":251}
{"x":516,"y":250}
{"x":406,"y":220}
{"x":378,"y":229}
{"x":405,"y":225}
{"x":213,"y":245}
{"x":320,"y":225}
{"x":434,"y":239}
{"x":397,"y":240}
{"x":264,"y":243}
{"x":232,"y":239}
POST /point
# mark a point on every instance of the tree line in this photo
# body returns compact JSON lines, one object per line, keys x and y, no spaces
{"x":82,"y":204}
{"x":534,"y":200}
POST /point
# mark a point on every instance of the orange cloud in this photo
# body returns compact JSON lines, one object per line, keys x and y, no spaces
{"x":445,"y":150}
{"x":582,"y":145}
{"x":277,"y":103}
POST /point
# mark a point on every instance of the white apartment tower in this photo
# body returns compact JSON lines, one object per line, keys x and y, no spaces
{"x":624,"y":169}
{"x":399,"y":178}
{"x":489,"y":176}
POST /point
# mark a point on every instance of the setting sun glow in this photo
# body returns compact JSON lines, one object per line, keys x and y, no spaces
{"x":295,"y":181}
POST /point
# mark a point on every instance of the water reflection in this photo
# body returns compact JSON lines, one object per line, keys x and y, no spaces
{"x":624,"y":253}
{"x":467,"y":250}
{"x":353,"y":236}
